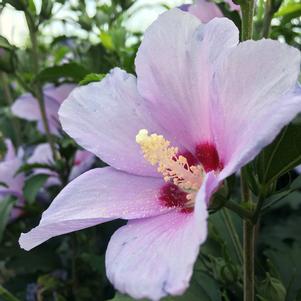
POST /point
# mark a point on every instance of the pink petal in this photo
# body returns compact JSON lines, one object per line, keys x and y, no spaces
{"x":175,"y":70}
{"x":43,"y":155}
{"x":82,"y":162}
{"x":255,"y":98}
{"x":10,"y":150}
{"x":8,"y":176}
{"x":232,"y":5}
{"x":95,"y":197}
{"x":26,"y":107}
{"x":105,"y":117}
{"x":58,"y":93}
{"x":205,"y":10}
{"x":154,"y":257}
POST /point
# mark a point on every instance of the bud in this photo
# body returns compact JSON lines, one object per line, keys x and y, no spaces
{"x":271,"y":289}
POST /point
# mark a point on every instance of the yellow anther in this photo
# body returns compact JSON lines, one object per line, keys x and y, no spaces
{"x":174,"y":168}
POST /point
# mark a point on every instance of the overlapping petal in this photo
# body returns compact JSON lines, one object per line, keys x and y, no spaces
{"x":255,"y":97}
{"x":95,"y":197}
{"x":205,"y":10}
{"x":154,"y":257}
{"x":82,"y":162}
{"x":105,"y":117}
{"x":175,"y":69}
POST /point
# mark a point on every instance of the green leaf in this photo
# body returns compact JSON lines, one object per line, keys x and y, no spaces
{"x":17,"y":4}
{"x":288,"y":9}
{"x":296,"y":184}
{"x":92,"y":77}
{"x":33,"y":185}
{"x":4,"y":43}
{"x":271,"y":288}
{"x":5,"y":295}
{"x":71,"y":71}
{"x":106,"y":40}
{"x":30,"y":167}
{"x":286,"y":261}
{"x":280,"y":156}
{"x":6,"y":206}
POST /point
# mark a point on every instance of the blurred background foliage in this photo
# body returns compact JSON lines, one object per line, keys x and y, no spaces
{"x":79,"y":42}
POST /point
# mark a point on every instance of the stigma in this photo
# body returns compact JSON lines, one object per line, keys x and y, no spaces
{"x":174,"y":168}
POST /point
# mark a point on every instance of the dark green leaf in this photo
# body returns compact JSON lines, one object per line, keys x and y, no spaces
{"x":286,"y":260}
{"x":280,"y":156}
{"x":271,"y":288}
{"x":30,"y":167}
{"x":33,"y":185}
{"x":296,"y":184}
{"x":17,"y":4}
{"x":70,"y":71}
{"x":6,"y":206}
{"x":4,"y":43}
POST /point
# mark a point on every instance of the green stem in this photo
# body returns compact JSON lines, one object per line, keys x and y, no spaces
{"x":242,"y":212}
{"x":38,"y":89}
{"x":247,"y":12}
{"x":9,"y":101}
{"x":248,"y":243}
{"x":6,"y":295}
{"x":258,"y":209}
{"x":267,"y":19}
{"x":233,"y":235}
{"x":249,"y":247}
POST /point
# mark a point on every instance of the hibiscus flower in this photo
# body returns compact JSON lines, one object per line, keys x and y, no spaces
{"x":26,"y":106}
{"x":42,"y":154}
{"x":207,"y":10}
{"x":202,"y":106}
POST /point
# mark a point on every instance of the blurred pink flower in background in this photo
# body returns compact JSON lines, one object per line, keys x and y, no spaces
{"x":42,"y":154}
{"x":214,"y":103}
{"x":26,"y":106}
{"x":232,"y":5}
{"x":203,"y":9}
{"x":13,"y":182}
{"x":207,"y":10}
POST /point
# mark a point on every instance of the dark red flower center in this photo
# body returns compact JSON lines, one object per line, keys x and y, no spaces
{"x":206,"y":154}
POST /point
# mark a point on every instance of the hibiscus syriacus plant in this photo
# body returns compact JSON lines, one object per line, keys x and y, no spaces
{"x":202,"y":106}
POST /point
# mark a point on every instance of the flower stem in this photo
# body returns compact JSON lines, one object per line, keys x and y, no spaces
{"x":6,"y":295}
{"x":248,"y":243}
{"x":247,"y":11}
{"x":38,"y":89}
{"x":267,"y":19}
{"x":249,"y":250}
{"x":9,"y":101}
